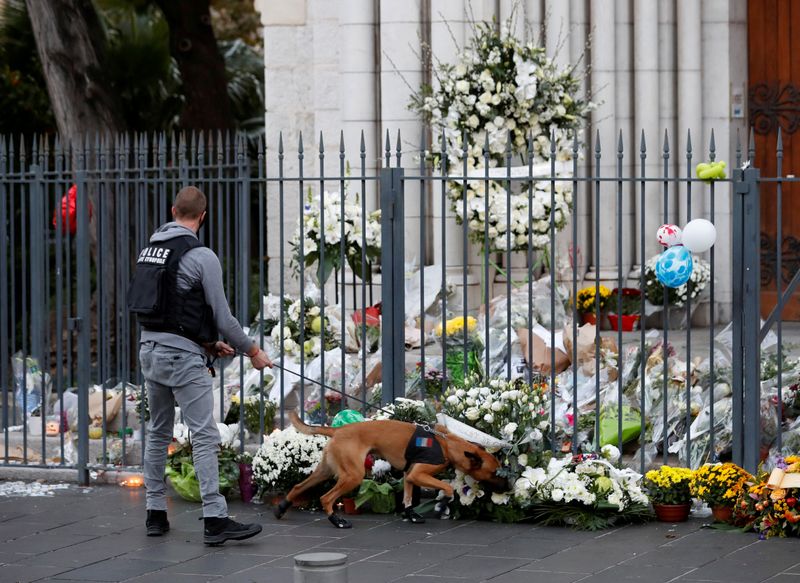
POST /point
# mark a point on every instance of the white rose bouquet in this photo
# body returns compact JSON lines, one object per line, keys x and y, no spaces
{"x":328,"y":225}
{"x":311,"y":324}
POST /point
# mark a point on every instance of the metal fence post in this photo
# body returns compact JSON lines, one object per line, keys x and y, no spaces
{"x":746,"y":374}
{"x":36,"y":263}
{"x":751,"y":290}
{"x":392,"y":284}
{"x":82,"y":324}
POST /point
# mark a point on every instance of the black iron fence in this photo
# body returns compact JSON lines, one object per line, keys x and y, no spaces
{"x":73,"y":218}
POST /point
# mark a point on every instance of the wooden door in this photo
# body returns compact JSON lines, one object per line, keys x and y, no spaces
{"x":773,"y":30}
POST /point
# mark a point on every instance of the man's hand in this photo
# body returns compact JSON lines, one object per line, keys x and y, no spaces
{"x":220,"y":348}
{"x":261,"y":360}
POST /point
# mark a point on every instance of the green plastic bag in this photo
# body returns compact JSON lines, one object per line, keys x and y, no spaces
{"x":454,"y":361}
{"x":347,"y":417}
{"x":187,"y":486}
{"x":185,"y":482}
{"x":380,"y":496}
{"x":609,"y":425}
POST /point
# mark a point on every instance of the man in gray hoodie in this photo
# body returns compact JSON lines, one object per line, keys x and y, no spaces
{"x":186,"y":277}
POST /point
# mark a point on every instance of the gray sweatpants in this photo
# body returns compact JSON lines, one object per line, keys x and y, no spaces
{"x":174,"y":375}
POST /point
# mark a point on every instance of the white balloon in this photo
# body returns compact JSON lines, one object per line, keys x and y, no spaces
{"x":699,"y":235}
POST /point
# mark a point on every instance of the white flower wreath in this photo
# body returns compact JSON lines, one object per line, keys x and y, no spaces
{"x":503,"y":90}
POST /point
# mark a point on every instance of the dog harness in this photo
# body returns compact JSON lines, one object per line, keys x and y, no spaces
{"x":423,"y":448}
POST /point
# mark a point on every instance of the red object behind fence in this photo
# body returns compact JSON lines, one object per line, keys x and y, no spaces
{"x":69,"y":211}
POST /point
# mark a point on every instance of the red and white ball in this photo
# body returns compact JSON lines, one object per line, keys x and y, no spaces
{"x":669,"y":235}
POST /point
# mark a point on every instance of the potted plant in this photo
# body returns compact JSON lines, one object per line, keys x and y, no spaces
{"x":587,"y":300}
{"x":631,"y":302}
{"x":719,"y":485}
{"x":668,"y":489}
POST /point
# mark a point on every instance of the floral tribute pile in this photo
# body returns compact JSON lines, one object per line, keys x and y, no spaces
{"x":767,"y":506}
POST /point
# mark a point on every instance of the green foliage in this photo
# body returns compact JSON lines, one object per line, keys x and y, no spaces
{"x":182,"y":477}
{"x":23,"y":93}
{"x":380,"y":496}
{"x":139,"y":67}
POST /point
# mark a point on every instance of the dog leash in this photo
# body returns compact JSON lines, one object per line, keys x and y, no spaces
{"x":317,"y":383}
{"x":424,"y":426}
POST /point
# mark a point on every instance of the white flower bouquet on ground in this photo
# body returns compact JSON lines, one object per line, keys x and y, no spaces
{"x":286,"y":458}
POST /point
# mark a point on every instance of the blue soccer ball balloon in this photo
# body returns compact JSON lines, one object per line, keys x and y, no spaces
{"x":674,"y":266}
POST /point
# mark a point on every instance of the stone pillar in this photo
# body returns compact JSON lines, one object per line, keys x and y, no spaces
{"x":604,"y":89}
{"x":401,"y":73}
{"x":450,"y":18}
{"x":690,"y":103}
{"x":580,"y":250}
{"x":558,"y":43}
{"x":357,"y":102}
{"x":667,"y":103}
{"x":647,"y":90}
{"x":288,"y":32}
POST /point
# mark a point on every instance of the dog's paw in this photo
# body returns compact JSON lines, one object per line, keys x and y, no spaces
{"x":442,"y":509}
{"x":281,"y":508}
{"x":339,"y":522}
{"x":412,"y":517}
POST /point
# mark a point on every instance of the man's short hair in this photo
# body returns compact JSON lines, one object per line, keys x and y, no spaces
{"x":190,"y":203}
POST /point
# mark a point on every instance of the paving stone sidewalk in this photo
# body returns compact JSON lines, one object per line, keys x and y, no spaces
{"x":98,"y":535}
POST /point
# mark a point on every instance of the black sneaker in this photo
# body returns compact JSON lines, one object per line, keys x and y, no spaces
{"x":219,"y":530}
{"x":157,"y":523}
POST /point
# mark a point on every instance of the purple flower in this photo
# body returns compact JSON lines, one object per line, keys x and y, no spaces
{"x":781,"y":463}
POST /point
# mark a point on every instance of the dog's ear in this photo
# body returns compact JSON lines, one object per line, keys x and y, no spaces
{"x":475,"y":461}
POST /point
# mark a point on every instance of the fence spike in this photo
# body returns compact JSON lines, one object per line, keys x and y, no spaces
{"x":363,"y":145}
{"x":738,"y":148}
{"x":508,"y":149}
{"x":712,"y":147}
{"x":575,"y":145}
{"x":779,"y":144}
{"x":341,"y":143}
{"x":552,"y":143}
{"x":597,"y":148}
{"x":689,"y":144}
{"x":321,"y":145}
{"x":751,"y":149}
{"x":300,"y":144}
{"x":642,"y":144}
{"x":666,"y":143}
{"x":398,"y":146}
{"x":444,"y":163}
{"x":388,"y":150}
{"x":620,"y":148}
{"x":280,"y":143}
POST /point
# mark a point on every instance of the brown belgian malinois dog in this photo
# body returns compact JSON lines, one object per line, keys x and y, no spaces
{"x":418,"y":450}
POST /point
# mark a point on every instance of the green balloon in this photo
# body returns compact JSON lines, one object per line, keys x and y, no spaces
{"x":347,"y":417}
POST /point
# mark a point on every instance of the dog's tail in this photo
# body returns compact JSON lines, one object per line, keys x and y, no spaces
{"x":309,"y":429}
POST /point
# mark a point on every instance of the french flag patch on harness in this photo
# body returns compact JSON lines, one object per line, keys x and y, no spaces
{"x":424,"y":442}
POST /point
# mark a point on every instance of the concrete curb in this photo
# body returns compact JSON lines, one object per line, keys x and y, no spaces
{"x":98,"y":477}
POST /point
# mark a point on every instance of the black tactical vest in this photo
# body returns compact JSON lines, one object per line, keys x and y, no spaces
{"x":154,"y":298}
